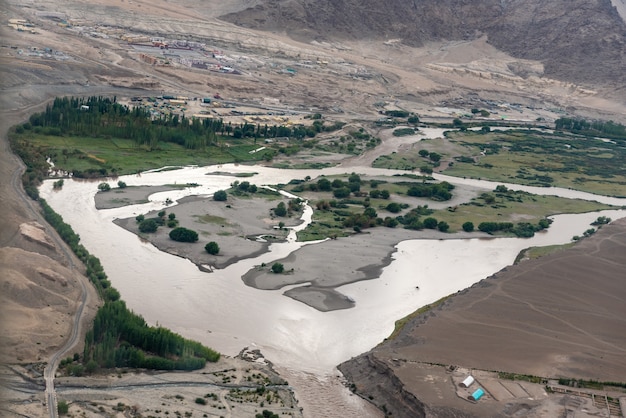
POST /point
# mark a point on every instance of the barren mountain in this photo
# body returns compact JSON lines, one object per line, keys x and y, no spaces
{"x":577,"y":40}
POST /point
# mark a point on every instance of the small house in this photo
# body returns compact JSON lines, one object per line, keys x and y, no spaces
{"x":478,"y":393}
{"x":467,"y":382}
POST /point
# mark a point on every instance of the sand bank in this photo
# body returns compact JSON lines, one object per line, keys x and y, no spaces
{"x":243,"y":227}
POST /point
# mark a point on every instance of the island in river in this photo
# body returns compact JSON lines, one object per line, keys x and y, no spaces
{"x":245,"y":228}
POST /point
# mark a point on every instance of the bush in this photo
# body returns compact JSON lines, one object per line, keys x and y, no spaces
{"x":140,"y":218}
{"x":468,"y":226}
{"x":278,"y":268}
{"x":430,"y":223}
{"x":148,"y":225}
{"x":267,"y":414}
{"x":63,"y":407}
{"x":181,"y":234}
{"x":104,"y":187}
{"x":341,"y":193}
{"x":220,"y":196}
{"x":121,"y":184}
{"x":393,"y":207}
{"x":280,"y":210}
{"x":201,"y":401}
{"x":212,"y":248}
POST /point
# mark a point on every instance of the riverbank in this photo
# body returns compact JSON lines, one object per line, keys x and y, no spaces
{"x":536,"y":318}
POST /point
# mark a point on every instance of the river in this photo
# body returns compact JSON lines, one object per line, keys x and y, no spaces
{"x":304,"y":344}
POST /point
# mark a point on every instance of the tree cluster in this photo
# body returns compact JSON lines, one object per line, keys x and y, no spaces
{"x":608,"y":129}
{"x":121,"y":338}
{"x":182,"y":234}
{"x":521,"y":229}
{"x":434,"y":191}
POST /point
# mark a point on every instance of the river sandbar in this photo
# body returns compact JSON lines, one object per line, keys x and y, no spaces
{"x":242,"y":227}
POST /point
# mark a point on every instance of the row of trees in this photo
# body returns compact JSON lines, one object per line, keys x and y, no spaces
{"x":120,"y":338}
{"x":521,"y":229}
{"x":106,"y":345}
{"x":608,"y":129}
{"x":104,"y":117}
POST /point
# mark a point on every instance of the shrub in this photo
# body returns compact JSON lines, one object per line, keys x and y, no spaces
{"x":280,"y":210}
{"x":278,"y":268}
{"x":63,"y":407}
{"x":220,"y":196}
{"x":147,"y":225}
{"x":201,"y":401}
{"x":430,"y":223}
{"x":104,"y":187}
{"x":393,"y":207}
{"x":468,"y":226}
{"x":341,"y":193}
{"x":121,"y":184}
{"x":212,"y":248}
{"x":181,"y":234}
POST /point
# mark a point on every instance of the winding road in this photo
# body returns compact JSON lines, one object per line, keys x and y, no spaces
{"x":31,"y":210}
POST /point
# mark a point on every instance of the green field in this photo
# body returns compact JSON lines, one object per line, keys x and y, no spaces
{"x":501,"y":205}
{"x":513,"y":206}
{"x":542,"y":159}
{"x":123,"y":156}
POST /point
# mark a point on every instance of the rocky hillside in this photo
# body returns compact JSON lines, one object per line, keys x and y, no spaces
{"x":583,"y":41}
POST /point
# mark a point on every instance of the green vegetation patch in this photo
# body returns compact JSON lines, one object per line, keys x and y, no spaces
{"x":538,"y":252}
{"x":513,"y":206}
{"x":543,"y":159}
{"x":212,"y":219}
{"x":96,"y":137}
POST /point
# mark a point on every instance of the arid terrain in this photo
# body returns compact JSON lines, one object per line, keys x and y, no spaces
{"x":561,"y":315}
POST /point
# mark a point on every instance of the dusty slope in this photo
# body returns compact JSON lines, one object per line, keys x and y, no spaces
{"x":563,"y":315}
{"x":570,"y":37}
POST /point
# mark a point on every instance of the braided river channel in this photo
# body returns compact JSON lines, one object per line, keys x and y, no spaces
{"x":303,"y":343}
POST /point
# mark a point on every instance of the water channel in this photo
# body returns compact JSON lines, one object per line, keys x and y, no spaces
{"x":219,"y":310}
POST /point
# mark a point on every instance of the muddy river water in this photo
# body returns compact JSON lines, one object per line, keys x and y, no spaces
{"x":305,"y":344}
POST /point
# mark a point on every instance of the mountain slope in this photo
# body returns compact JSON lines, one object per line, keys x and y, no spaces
{"x":577,"y":40}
